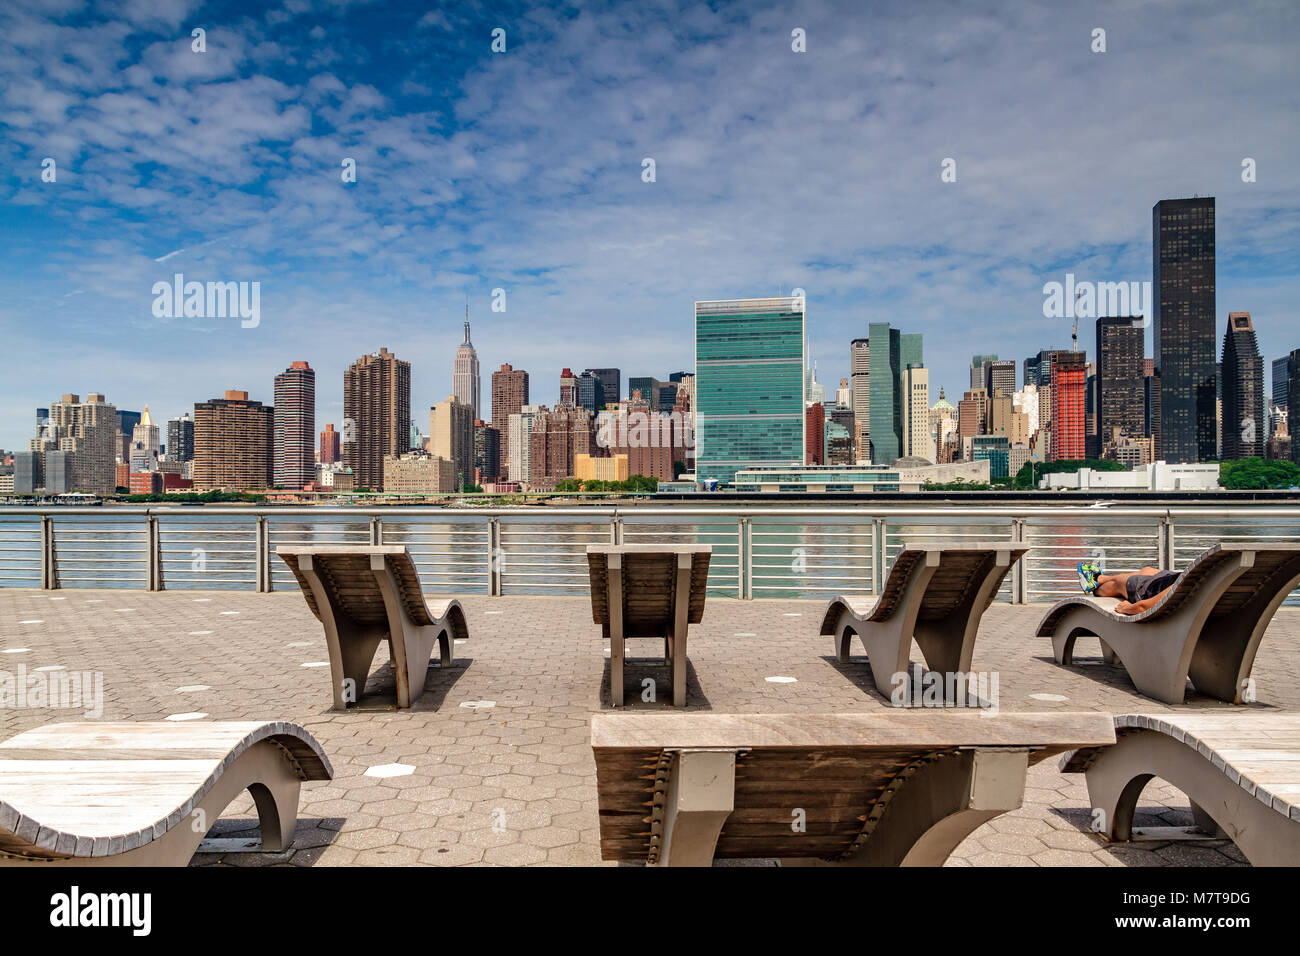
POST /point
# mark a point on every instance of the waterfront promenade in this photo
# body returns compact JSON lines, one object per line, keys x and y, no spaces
{"x":500,"y":766}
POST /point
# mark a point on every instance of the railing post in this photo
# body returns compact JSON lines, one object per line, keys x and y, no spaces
{"x":616,"y":530}
{"x":494,"y":557}
{"x":1166,"y":555}
{"x":376,"y":531}
{"x":877,"y":555}
{"x":49,"y":561}
{"x":153,"y":566}
{"x":1018,"y":572}
{"x":745,"y":560}
{"x":263,"y":556}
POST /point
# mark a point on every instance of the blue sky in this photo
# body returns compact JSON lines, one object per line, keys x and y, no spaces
{"x":522,"y":170}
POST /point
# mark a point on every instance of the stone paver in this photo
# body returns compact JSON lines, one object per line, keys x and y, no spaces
{"x":514,"y":784}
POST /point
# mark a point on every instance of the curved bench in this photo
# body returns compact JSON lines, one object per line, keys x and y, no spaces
{"x":145,"y":794}
{"x":367,"y":594}
{"x":934,"y":596}
{"x":899,"y":788}
{"x":1240,"y":772}
{"x":1207,"y":627}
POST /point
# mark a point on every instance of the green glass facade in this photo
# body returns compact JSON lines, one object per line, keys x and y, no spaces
{"x":749,"y":385}
{"x":890,"y":352}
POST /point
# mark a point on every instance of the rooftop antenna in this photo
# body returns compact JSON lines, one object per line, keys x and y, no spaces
{"x":1074,"y":329}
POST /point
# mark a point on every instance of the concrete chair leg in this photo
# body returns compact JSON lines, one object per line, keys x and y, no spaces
{"x":701,"y":795}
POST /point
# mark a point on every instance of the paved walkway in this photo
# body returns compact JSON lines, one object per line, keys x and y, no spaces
{"x":493,"y":763}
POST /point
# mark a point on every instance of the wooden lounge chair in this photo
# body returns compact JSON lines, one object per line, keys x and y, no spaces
{"x":648,"y":590}
{"x":1240,"y":771}
{"x":364,"y":595}
{"x":879,"y":789}
{"x":1207,"y":627}
{"x":934,"y":596}
{"x":145,"y":794}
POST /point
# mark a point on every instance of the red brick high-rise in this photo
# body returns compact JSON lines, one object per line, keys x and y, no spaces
{"x":814,"y":430}
{"x":1069,"y":404}
{"x":329,"y":445}
{"x":377,"y":415}
{"x":557,"y":437}
{"x":509,"y":395}
{"x":295,"y":426}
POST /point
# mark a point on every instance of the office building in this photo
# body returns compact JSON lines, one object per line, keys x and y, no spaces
{"x":419,"y":473}
{"x":996,"y":450}
{"x":1000,"y":376}
{"x":591,"y":392}
{"x":904,"y":477}
{"x":234,"y":444}
{"x":892,"y":352}
{"x":1280,"y":381}
{"x":330,"y":451}
{"x":860,"y":392}
{"x":610,"y":468}
{"x":451,"y":436}
{"x":978,"y":375}
{"x":464,"y":375}
{"x":647,"y":386}
{"x":612,"y":383}
{"x":749,"y":385}
{"x":1293,"y":403}
{"x":377,"y":415}
{"x":1245,"y":425}
{"x":295,"y":427}
{"x":487,"y":452}
{"x":1120,"y":380}
{"x":180,"y":438}
{"x":1183,"y":310}
{"x":918,"y":440}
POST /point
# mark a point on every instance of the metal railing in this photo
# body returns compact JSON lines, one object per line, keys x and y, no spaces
{"x":758,"y":551}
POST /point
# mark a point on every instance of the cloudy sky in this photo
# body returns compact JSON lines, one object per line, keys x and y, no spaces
{"x":522,"y":170}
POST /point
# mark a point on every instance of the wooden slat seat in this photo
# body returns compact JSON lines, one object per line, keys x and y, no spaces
{"x":144,"y":794}
{"x":1241,"y":772}
{"x":1207,"y":626}
{"x":934,"y":596}
{"x":648,"y":591}
{"x":366,"y":594}
{"x":863,"y":789}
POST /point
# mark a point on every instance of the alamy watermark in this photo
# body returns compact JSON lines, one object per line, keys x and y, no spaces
{"x":58,"y":690}
{"x":978,"y":689}
{"x":1091,"y":300}
{"x":208,"y":300}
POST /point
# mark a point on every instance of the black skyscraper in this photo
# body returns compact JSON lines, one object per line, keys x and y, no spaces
{"x":1120,"y":377}
{"x":1182,"y":261}
{"x":1245,"y":425}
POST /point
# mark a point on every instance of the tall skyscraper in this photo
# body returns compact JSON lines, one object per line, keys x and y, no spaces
{"x":329,"y":445}
{"x":611,"y":381}
{"x":464,"y":376}
{"x":591,"y":392}
{"x":1293,"y":403}
{"x":451,"y":436}
{"x":1280,"y":382}
{"x":978,"y":375}
{"x":1183,"y":289}
{"x":1000,"y":376}
{"x":234,"y":447}
{"x":377,"y":415}
{"x":295,"y":426}
{"x":814,"y":434}
{"x":509,"y":395}
{"x":180,"y":438}
{"x":1120,"y":401}
{"x":1069,"y":403}
{"x":892,"y":352}
{"x":860,"y":396}
{"x":1245,"y":425}
{"x":487,"y":451}
{"x":749,"y":385}
{"x":917,"y":439}
{"x":647,"y":386}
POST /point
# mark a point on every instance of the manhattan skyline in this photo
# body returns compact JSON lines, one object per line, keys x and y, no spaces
{"x":523,"y":170}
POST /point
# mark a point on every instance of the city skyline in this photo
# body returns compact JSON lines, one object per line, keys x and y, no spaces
{"x":473,"y":172}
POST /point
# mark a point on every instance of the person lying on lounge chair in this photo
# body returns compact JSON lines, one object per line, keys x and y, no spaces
{"x":1139,"y":590}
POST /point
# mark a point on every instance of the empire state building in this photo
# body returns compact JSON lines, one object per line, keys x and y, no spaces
{"x":464,"y":374}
